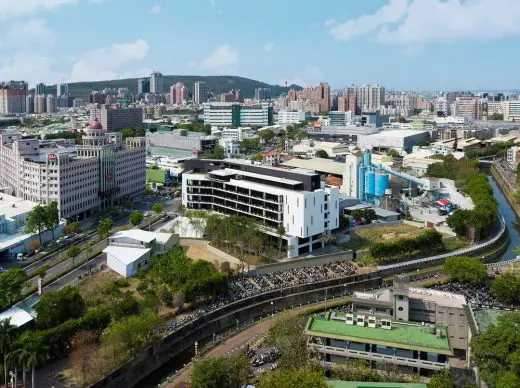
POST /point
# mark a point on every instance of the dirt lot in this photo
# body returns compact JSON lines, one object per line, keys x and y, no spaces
{"x":197,"y":250}
{"x":361,"y":239}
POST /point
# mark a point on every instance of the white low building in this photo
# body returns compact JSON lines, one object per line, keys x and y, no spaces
{"x":127,"y":261}
{"x":129,"y":251}
{"x":286,"y":117}
{"x":310,"y":147}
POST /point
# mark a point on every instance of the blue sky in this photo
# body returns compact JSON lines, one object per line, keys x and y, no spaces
{"x":403,"y":44}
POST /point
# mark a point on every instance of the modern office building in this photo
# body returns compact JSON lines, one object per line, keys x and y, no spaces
{"x":340,"y":118}
{"x":416,"y":329}
{"x":511,"y":110}
{"x":41,"y":88}
{"x":50,"y":104}
{"x":65,"y":101}
{"x":62,"y":89}
{"x":262,"y":94}
{"x":117,"y":117}
{"x":12,"y":97}
{"x":200,"y":92}
{"x":143,"y":85}
{"x":99,"y":173}
{"x":297,"y":200}
{"x":194,"y":142}
{"x":226,"y":114}
{"x":286,"y":117}
{"x":156,"y":83}
{"x":29,"y":104}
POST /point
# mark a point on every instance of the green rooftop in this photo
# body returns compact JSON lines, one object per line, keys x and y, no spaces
{"x":360,"y":384}
{"x":155,"y":175}
{"x":404,"y":335}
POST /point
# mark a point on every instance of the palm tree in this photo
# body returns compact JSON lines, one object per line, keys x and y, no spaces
{"x":34,"y":352}
{"x":6,"y":342}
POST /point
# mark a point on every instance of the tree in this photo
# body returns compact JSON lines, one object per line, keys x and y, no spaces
{"x":441,"y":379}
{"x":258,"y":157}
{"x":104,"y":227}
{"x":56,"y":307}
{"x":303,"y":377}
{"x":73,"y":252}
{"x":11,"y":285}
{"x":280,"y":231}
{"x":34,"y":350}
{"x":33,"y":245}
{"x":221,"y":372}
{"x":465,"y":269}
{"x":496,"y":116}
{"x":52,"y":217}
{"x":36,"y":221}
{"x":496,"y":352}
{"x":266,"y":134}
{"x":136,"y":218}
{"x":84,"y":347}
{"x":506,"y":287}
{"x":393,"y":153}
{"x":70,"y":228}
{"x":158,"y":208}
{"x":321,"y":154}
{"x":7,"y":336}
{"x":286,"y":333}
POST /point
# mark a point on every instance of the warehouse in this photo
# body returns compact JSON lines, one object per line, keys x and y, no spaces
{"x":399,"y":139}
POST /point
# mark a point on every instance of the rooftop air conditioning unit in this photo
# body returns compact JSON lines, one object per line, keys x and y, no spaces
{"x":360,"y":321}
{"x":349,"y":319}
{"x":386,"y":324}
{"x":372,"y":321}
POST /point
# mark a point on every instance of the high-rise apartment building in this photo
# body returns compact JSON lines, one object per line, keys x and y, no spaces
{"x":318,"y":97}
{"x":239,"y":96}
{"x":369,"y":98}
{"x":156,"y":83}
{"x":62,"y":89}
{"x":200,"y":92}
{"x":29,"y":104}
{"x":227,"y":97}
{"x":41,"y":89}
{"x":262,"y":94}
{"x":117,"y":117}
{"x":180,"y":93}
{"x":97,"y":97}
{"x":471,"y":107}
{"x":50,"y":102}
{"x":143,"y":85}
{"x":40,"y":104}
{"x":173,"y":95}
{"x":101,"y":172}
{"x":12,"y":97}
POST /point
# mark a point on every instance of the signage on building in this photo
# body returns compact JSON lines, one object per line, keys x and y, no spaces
{"x":109,"y":177}
{"x":52,"y":157}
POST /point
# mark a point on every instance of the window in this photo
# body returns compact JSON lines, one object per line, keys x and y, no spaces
{"x":400,"y":309}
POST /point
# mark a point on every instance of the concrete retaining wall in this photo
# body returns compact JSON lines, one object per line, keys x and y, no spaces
{"x":302,"y":262}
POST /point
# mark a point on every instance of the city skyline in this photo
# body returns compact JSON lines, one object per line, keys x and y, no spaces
{"x":402,"y":44}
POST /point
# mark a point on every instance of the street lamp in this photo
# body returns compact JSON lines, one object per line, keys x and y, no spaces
{"x":272,"y":309}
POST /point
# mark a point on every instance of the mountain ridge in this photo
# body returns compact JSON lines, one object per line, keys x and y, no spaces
{"x":215,"y":84}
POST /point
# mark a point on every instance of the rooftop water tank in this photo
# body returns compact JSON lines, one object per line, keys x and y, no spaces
{"x":370,"y":184}
{"x":381,"y":183}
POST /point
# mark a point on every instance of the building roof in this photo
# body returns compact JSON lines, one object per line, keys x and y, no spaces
{"x":365,"y":384}
{"x":405,"y":335}
{"x":18,"y":317}
{"x":442,"y":298}
{"x":135,"y":234}
{"x":397,"y":133}
{"x":317,"y":164}
{"x":162,"y":237}
{"x":126,"y":255}
{"x":12,"y":206}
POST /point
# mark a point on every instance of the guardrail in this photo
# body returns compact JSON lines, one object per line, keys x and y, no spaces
{"x":502,"y":263}
{"x":440,"y":258}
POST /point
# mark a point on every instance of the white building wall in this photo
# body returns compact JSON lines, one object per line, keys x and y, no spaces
{"x":115,"y":265}
{"x":286,"y":117}
{"x":351,"y":176}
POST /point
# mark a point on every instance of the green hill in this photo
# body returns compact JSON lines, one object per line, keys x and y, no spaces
{"x":216,"y":84}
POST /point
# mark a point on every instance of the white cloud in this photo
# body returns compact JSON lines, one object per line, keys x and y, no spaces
{"x":213,"y":3}
{"x":393,"y":12}
{"x":105,"y":63}
{"x":30,"y":67}
{"x":330,"y":22}
{"x":28,"y":35}
{"x":269,"y":46}
{"x":418,"y":22}
{"x":223,"y":60}
{"x":19,"y":7}
{"x":155,"y":9}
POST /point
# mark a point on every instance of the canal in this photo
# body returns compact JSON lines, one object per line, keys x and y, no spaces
{"x":511,"y":222}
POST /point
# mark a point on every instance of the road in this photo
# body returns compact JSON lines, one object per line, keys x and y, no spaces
{"x":508,"y":174}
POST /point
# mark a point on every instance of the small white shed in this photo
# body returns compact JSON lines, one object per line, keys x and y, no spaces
{"x":127,"y":261}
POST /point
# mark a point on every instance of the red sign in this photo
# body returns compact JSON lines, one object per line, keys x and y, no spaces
{"x":52,"y":156}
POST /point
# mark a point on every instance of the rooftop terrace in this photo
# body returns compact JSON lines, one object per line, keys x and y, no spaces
{"x":402,"y":335}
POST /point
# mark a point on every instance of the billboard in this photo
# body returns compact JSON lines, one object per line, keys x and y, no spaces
{"x":52,"y":157}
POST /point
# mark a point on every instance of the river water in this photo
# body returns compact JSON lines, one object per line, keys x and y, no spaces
{"x":511,"y":222}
